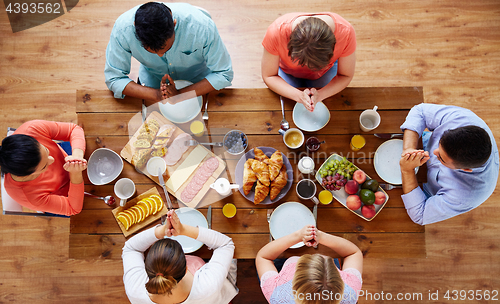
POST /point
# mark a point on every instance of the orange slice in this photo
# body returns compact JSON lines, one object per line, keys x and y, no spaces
{"x":159,"y":202}
{"x":132,"y":215}
{"x":124,"y":221}
{"x":151,"y":204}
{"x":140,"y":211}
{"x":135,"y":214}
{"x":144,"y":208}
{"x":128,"y":216}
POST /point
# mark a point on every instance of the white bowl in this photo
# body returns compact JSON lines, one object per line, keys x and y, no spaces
{"x":310,"y":121}
{"x":183,"y":111}
{"x":154,"y":163}
{"x":104,"y":166}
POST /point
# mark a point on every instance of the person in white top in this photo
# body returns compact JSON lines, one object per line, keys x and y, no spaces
{"x":165,"y":276}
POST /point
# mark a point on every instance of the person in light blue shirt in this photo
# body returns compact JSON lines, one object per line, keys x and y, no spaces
{"x":462,"y":162}
{"x":178,"y":42}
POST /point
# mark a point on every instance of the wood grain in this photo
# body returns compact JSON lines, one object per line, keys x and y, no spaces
{"x":447,"y":47}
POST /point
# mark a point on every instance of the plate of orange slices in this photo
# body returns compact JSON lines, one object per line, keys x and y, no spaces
{"x":140,"y":212}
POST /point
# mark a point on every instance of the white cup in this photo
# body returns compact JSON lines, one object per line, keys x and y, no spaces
{"x":124,"y":189}
{"x":223,"y":187}
{"x":369,"y":119}
{"x":290,"y":138}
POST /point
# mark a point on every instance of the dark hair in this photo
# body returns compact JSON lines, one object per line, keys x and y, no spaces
{"x":468,"y":147}
{"x":165,"y":266}
{"x":19,"y":155}
{"x":312,"y":43}
{"x":154,"y":25}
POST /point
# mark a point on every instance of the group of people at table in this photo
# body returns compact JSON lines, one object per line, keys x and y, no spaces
{"x":307,"y":58}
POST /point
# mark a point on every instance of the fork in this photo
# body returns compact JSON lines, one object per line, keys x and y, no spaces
{"x":269,"y":212}
{"x":205,"y":114}
{"x":389,"y":186}
{"x":193,"y":142}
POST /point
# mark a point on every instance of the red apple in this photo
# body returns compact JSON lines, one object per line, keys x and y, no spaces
{"x":359,"y":176}
{"x":368,"y":211}
{"x":379,"y":198}
{"x":353,"y":202}
{"x":351,"y":187}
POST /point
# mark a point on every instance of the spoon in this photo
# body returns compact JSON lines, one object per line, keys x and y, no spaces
{"x":283,"y":124}
{"x":108,"y":200}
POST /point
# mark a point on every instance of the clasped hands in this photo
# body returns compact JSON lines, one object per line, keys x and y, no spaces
{"x":309,"y":235}
{"x":309,"y":98}
{"x":172,"y":225}
{"x":74,"y":164}
{"x":167,"y":90}
{"x":412,"y":158}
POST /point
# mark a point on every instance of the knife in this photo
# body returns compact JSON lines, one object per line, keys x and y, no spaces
{"x":389,"y":135}
{"x":162,"y":183}
{"x":209,"y":217}
{"x":144,"y":109}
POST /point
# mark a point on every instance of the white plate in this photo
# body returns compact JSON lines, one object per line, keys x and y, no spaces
{"x":183,"y":111}
{"x":310,"y":121}
{"x":240,"y":166}
{"x":288,"y":218}
{"x":191,"y":217}
{"x":386,"y":161}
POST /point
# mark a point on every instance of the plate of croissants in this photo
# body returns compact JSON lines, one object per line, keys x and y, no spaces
{"x":265,"y":175}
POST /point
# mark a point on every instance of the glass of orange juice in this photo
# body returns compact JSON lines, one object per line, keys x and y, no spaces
{"x":357,"y":142}
{"x":229,"y":210}
{"x":197,"y":128}
{"x":325,"y":197}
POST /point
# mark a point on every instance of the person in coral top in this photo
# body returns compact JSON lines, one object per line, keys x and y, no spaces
{"x":315,"y":51}
{"x":38,"y":173}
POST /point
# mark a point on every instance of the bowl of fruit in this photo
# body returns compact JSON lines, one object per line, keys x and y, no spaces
{"x":235,"y":142}
{"x":351,"y":187}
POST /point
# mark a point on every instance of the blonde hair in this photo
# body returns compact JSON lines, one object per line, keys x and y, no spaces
{"x":315,"y":274}
{"x":312,"y":43}
{"x":165,"y":265}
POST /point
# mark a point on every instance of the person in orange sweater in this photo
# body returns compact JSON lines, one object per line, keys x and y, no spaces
{"x":38,"y":173}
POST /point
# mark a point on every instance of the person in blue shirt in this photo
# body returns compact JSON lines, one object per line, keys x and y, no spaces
{"x":178,"y":42}
{"x":462,"y":162}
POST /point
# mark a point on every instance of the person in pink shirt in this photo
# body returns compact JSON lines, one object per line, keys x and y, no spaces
{"x":311,"y":278}
{"x":315,"y":51}
{"x":38,"y":173}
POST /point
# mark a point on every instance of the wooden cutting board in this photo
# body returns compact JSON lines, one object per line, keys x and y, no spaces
{"x":147,"y":221}
{"x":128,"y":151}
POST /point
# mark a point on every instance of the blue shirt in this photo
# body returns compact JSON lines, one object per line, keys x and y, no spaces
{"x":448,"y":192}
{"x":197,"y":52}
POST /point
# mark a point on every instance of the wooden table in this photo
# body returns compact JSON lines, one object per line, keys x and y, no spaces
{"x":96,"y":235}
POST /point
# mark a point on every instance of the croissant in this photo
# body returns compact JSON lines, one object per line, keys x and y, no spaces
{"x":249,"y":177}
{"x":275,"y":163}
{"x":261,"y":193}
{"x":259,"y":155}
{"x":279,"y":183}
{"x":262,"y":171}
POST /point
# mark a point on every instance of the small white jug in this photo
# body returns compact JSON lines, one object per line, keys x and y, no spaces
{"x":223,"y":187}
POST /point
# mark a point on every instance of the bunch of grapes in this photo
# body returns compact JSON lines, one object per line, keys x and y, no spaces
{"x":336,"y":173}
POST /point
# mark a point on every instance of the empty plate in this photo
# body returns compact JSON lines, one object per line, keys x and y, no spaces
{"x":311,"y":121}
{"x":191,"y":217}
{"x":386,"y":161}
{"x":183,"y":111}
{"x":288,"y":218}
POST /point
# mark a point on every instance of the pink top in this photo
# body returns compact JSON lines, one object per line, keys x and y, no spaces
{"x":277,"y":287}
{"x":51,"y":191}
{"x":278,"y":35}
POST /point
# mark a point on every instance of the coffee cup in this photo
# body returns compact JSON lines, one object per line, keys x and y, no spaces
{"x":369,"y":120}
{"x":124,"y":189}
{"x":223,"y":187}
{"x":306,"y":189}
{"x":293,"y":138}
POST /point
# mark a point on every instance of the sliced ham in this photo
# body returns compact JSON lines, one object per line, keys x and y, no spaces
{"x":177,"y":149}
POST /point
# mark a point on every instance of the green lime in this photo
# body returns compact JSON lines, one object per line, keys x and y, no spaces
{"x":367,"y":196}
{"x":370,"y":184}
